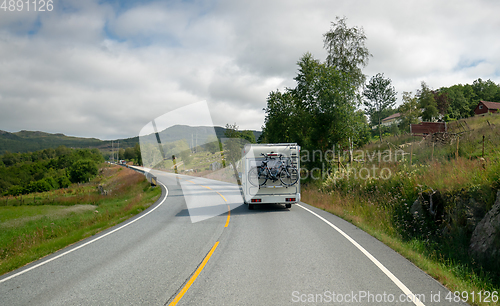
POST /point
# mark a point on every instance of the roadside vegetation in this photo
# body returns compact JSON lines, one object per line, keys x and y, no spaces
{"x":45,"y":170}
{"x":461,"y":179}
{"x":37,"y":222}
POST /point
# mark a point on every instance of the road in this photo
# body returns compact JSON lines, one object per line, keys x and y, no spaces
{"x":267,"y":256}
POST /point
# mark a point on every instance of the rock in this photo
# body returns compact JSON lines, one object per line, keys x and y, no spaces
{"x":474,"y":214}
{"x":101,"y":190}
{"x":417,"y":208}
{"x":429,"y":205}
{"x":485,"y":240}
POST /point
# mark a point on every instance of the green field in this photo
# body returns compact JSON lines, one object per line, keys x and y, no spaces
{"x":35,"y":225}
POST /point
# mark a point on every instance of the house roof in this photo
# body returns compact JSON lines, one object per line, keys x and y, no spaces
{"x":396,"y":115}
{"x":491,"y":105}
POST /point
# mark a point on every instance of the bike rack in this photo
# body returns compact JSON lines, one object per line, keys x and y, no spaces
{"x":286,"y":160}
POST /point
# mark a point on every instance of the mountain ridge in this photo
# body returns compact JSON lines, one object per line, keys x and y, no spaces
{"x":29,"y":141}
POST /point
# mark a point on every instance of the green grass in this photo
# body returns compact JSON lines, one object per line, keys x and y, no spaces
{"x":38,"y":228}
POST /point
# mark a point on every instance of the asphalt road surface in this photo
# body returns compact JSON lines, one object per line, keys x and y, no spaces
{"x":267,"y":256}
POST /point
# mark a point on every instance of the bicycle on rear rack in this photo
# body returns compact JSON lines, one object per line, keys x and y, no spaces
{"x":283,"y":171}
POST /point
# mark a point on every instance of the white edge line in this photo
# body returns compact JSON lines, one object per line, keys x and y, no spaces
{"x":396,"y":281}
{"x":87,"y":243}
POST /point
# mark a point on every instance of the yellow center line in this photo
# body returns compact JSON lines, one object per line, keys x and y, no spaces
{"x":195,"y":275}
{"x":228,"y":216}
{"x":222,"y":196}
{"x":228,"y":208}
{"x":200,"y":268}
{"x":210,"y":189}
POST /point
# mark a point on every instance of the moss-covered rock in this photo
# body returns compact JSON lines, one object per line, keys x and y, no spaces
{"x":485,"y":240}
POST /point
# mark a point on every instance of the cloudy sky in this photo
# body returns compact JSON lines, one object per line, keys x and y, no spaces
{"x":106,"y":68}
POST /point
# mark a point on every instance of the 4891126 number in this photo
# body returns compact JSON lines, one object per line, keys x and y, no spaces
{"x":474,"y":297}
{"x":27,"y":5}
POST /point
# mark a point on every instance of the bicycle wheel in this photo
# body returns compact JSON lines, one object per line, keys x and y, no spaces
{"x":289,"y":176}
{"x":257,"y":177}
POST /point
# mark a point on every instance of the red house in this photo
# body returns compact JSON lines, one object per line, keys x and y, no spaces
{"x":486,"y":107}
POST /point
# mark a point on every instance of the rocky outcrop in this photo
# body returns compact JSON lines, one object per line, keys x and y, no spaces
{"x":464,"y":211}
{"x":485,"y":240}
{"x":458,"y":209}
{"x":429,"y":205}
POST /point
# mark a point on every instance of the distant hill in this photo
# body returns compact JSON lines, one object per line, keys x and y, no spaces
{"x":29,"y":141}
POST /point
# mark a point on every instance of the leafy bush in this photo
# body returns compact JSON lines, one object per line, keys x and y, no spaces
{"x":37,"y":186}
{"x":82,"y":170}
{"x":15,"y":190}
{"x":63,"y":182}
{"x":52,"y":182}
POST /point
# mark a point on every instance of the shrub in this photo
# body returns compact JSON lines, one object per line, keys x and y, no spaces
{"x":53,"y":182}
{"x":63,"y":181}
{"x":38,"y":186}
{"x":82,"y":170}
{"x":15,"y":190}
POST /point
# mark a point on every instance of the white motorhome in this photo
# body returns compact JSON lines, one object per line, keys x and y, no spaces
{"x":271,"y":174}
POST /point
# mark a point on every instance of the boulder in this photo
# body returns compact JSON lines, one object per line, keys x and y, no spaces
{"x":101,"y":190}
{"x":417,"y":209}
{"x":428,"y":205}
{"x":485,"y":240}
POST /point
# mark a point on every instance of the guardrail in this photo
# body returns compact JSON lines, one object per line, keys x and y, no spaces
{"x":151,"y":178}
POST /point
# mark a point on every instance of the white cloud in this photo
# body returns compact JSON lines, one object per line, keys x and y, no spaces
{"x":100,"y":70}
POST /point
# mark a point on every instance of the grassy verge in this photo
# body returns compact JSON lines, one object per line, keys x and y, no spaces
{"x":40,"y":224}
{"x":459,"y":170}
{"x":457,"y":274}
